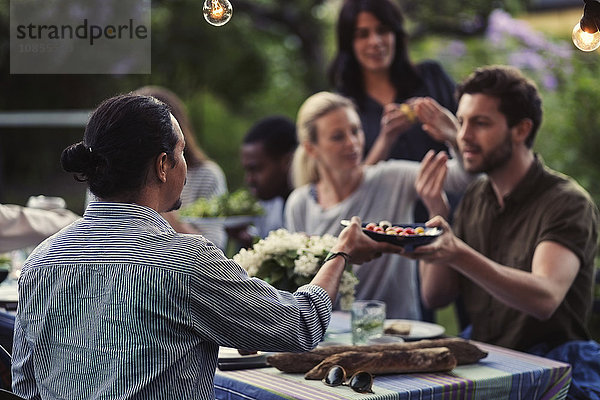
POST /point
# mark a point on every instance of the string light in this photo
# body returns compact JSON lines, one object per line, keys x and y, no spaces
{"x":586,"y":36}
{"x":585,"y":41}
{"x":217,"y":12}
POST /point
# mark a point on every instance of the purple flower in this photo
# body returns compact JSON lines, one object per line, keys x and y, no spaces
{"x":501,"y":24}
{"x":500,"y":21}
{"x":455,"y":49}
{"x":561,"y":50}
{"x":528,"y":59}
{"x":549,"y":81}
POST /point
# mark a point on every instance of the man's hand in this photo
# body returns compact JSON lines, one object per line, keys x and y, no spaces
{"x":440,"y":251}
{"x":359,"y":246}
{"x":430,"y":183}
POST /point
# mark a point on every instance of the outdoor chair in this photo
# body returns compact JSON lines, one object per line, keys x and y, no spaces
{"x":5,"y":364}
{"x":7,"y":326}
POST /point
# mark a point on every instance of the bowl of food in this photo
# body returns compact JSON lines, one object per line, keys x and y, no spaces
{"x":409,"y":236}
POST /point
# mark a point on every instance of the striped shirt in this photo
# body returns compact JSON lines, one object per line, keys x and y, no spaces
{"x":120,"y":306}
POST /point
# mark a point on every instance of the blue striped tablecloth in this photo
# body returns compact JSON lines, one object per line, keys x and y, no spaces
{"x":503,"y":374}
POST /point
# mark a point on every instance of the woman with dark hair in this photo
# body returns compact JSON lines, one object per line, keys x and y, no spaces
{"x":205,"y":179}
{"x":373,"y":68}
{"x":405,"y":109}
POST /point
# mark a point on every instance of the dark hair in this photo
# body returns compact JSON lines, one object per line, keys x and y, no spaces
{"x":345,"y":73}
{"x":122,"y":138}
{"x":193,"y":154}
{"x":276,"y":133}
{"x":519,"y":97}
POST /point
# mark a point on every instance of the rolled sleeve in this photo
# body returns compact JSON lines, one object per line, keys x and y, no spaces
{"x":234,"y":310}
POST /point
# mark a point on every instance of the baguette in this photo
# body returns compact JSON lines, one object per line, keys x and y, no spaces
{"x":464,"y":351}
{"x":435,"y":359}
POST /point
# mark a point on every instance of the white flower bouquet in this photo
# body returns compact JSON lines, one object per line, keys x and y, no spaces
{"x":289,"y":260}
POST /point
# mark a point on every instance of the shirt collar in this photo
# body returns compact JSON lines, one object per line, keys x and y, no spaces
{"x":528,"y":184}
{"x":525,"y":187}
{"x":104,"y":210}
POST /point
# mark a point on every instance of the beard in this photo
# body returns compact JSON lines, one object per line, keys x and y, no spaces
{"x":495,"y":158}
{"x":175,"y":206}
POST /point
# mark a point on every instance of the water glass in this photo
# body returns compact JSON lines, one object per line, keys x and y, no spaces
{"x":367,"y":319}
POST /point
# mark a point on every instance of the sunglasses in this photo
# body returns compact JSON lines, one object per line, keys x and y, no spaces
{"x":360,"y":382}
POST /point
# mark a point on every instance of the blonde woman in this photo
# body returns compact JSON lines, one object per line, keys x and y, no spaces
{"x":332,"y":183}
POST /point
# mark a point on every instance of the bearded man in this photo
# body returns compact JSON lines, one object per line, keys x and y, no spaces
{"x":522,"y":247}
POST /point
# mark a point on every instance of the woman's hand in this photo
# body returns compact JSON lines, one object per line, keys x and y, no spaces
{"x":437,"y":121}
{"x":396,"y":119}
{"x":430,"y":183}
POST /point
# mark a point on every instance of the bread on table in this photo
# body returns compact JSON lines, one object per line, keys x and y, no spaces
{"x":463,"y":351}
{"x":434,"y":359}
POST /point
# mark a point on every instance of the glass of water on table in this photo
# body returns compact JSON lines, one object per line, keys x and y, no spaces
{"x":367,"y":318}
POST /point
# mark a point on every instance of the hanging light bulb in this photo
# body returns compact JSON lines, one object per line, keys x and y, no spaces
{"x":217,"y":12}
{"x":586,"y":36}
{"x":585,"y":41}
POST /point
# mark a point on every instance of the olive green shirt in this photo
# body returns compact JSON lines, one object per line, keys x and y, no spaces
{"x":544,"y":206}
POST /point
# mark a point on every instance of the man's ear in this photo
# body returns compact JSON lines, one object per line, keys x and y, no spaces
{"x":522,"y":129}
{"x":161,"y":166}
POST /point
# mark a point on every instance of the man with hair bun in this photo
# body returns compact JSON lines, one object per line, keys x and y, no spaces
{"x":119,"y":305}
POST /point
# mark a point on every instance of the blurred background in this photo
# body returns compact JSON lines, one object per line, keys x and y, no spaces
{"x":274,"y":53}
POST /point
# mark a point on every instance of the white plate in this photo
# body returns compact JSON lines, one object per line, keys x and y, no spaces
{"x":227,"y":222}
{"x":385,"y":339}
{"x":230,"y":354}
{"x":418,"y":329}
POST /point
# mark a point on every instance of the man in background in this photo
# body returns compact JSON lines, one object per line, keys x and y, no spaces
{"x":266,"y":153}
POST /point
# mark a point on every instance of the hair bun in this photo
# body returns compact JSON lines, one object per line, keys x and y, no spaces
{"x":77,"y":158}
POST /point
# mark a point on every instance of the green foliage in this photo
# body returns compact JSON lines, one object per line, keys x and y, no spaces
{"x":464,"y":17}
{"x":5,"y":261}
{"x":219,"y":130}
{"x":279,"y":271}
{"x":240,"y":202}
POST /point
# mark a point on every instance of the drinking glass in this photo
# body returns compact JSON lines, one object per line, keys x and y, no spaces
{"x":367,"y":319}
